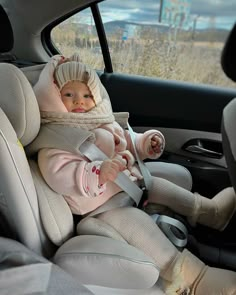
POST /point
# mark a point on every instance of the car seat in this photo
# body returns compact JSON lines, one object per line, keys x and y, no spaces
{"x":41,"y":219}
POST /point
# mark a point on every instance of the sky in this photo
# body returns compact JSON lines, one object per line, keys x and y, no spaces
{"x":207,"y":13}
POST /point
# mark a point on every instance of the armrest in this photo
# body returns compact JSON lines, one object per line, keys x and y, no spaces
{"x":106,"y":262}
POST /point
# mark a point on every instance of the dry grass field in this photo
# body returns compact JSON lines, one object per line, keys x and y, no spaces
{"x":190,"y":61}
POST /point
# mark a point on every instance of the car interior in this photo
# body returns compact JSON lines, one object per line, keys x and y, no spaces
{"x":200,"y":139}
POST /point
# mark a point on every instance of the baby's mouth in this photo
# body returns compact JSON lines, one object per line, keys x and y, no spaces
{"x":78,"y":110}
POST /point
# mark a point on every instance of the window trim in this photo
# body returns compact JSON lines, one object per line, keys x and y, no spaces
{"x":102,"y":38}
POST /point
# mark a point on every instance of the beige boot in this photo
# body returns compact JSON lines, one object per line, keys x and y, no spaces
{"x":190,"y":276}
{"x":217,"y":212}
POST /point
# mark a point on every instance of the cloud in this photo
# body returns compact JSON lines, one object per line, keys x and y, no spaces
{"x":133,"y":11}
{"x":214,"y":8}
{"x":221,"y":12}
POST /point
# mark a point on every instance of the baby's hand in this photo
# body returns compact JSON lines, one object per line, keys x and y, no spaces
{"x":156,"y":144}
{"x":110,"y":169}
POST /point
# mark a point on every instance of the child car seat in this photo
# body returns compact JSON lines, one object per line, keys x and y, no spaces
{"x":41,"y":219}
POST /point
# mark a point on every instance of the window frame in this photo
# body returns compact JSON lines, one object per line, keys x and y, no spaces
{"x":51,"y":49}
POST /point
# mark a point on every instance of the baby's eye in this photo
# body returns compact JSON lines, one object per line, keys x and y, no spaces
{"x":88,"y":96}
{"x":68,"y":94}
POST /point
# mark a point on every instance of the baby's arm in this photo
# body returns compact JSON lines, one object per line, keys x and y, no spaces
{"x":149,"y":144}
{"x":70,"y":174}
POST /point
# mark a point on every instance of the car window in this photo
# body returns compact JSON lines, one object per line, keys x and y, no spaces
{"x":177,"y":40}
{"x":78,"y":34}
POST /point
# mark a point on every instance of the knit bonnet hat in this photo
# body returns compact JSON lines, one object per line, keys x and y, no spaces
{"x":47,"y":90}
{"x":77,"y":71}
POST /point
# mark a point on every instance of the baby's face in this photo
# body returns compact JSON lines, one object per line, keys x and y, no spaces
{"x":77,"y":97}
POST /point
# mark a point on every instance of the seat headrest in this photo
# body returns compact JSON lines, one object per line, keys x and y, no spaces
{"x":19,"y":103}
{"x":228,"y":57}
{"x":6,"y":32}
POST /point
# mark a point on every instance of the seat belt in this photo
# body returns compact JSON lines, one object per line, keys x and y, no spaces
{"x":144,"y":170}
{"x":146,"y":182}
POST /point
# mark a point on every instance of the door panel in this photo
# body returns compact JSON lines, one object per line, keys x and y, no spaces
{"x":182,"y":112}
{"x":209,"y":174}
{"x":154,"y":102}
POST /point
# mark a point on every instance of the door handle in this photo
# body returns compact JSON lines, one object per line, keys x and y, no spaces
{"x":204,"y":147}
{"x":196,"y":149}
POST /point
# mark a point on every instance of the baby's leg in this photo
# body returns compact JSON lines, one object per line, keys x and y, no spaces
{"x":183,"y":272}
{"x":215,"y":212}
{"x":140,"y":231}
{"x":178,"y":199}
{"x":173,"y":172}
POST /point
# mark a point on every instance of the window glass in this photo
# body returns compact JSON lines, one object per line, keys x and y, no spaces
{"x":78,"y":34}
{"x":169,"y":39}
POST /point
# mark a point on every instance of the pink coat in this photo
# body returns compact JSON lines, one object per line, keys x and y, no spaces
{"x":75,"y":177}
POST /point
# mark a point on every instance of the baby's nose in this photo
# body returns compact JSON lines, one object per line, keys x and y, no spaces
{"x":77,"y":100}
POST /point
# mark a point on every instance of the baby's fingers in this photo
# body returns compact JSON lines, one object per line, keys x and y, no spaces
{"x":156,"y":140}
{"x":120,"y":165}
{"x":112,"y":175}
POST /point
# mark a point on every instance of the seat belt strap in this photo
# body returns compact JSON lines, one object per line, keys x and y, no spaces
{"x":173,"y":229}
{"x":147,"y":178}
{"x":93,"y":153}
